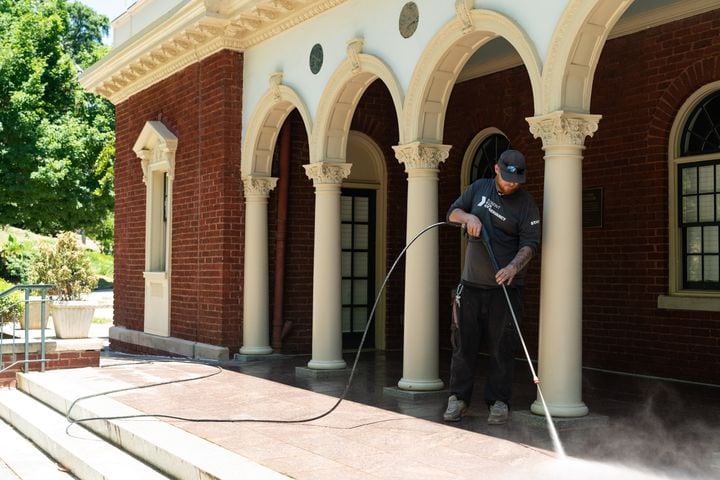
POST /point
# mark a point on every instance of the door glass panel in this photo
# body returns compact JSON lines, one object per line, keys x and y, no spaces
{"x":346,"y":264}
{"x":360,"y":292}
{"x":346,"y":209}
{"x":361,"y":237}
{"x":346,"y":319}
{"x":360,"y":319}
{"x":346,"y":292}
{"x":346,"y":237}
{"x":362,"y":209}
{"x":360,"y":268}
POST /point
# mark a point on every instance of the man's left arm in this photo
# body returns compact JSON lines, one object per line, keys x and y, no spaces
{"x":529,"y":239}
{"x":507,"y":273}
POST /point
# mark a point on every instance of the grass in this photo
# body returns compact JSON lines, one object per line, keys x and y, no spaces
{"x":103,"y":266}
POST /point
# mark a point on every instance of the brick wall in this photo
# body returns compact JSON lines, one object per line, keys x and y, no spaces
{"x":202,"y":106}
{"x":299,"y":242}
{"x":640,"y":84}
{"x":53,"y":361}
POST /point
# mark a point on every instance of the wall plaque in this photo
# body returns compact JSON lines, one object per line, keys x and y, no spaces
{"x":592,"y":207}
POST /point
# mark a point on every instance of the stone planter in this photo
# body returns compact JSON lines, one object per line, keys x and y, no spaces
{"x":34,"y":308}
{"x":72,"y":319}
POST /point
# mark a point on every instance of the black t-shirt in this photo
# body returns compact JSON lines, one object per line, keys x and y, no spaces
{"x":515,"y":220}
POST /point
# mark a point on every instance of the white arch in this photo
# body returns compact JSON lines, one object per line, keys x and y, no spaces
{"x":264,"y":126}
{"x":339,"y":100}
{"x":574,"y":53}
{"x":441,"y":63}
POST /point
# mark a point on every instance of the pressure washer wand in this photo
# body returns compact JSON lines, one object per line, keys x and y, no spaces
{"x":488,"y":245}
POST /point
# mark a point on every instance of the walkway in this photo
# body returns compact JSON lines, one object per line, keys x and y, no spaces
{"x":657,"y":429}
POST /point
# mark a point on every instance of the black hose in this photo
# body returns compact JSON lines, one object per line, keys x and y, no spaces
{"x":247,"y":420}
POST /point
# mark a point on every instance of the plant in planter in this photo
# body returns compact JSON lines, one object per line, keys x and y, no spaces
{"x":11,"y":307}
{"x":67,"y":268}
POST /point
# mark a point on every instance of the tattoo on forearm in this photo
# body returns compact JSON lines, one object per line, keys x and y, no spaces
{"x":522,"y":258}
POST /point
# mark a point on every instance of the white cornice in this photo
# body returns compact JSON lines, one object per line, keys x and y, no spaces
{"x":192,"y":31}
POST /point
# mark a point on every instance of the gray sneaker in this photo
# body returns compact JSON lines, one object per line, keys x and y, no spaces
{"x":498,"y":413}
{"x":455,"y":409}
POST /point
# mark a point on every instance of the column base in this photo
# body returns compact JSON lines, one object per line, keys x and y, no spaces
{"x":255,"y":350}
{"x":326,"y":364}
{"x":421,"y":385}
{"x":576,"y":410}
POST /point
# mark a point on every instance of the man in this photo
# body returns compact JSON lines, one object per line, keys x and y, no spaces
{"x":512,"y":220}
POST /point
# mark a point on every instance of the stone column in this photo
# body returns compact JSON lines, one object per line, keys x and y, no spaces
{"x":421,"y":343}
{"x":256,"y":317}
{"x":327,"y":273}
{"x":560,"y":348}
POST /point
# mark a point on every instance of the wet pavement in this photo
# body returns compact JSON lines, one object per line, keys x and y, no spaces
{"x":638,"y":428}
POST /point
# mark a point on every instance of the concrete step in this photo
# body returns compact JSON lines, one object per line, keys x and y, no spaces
{"x":23,"y":460}
{"x":169,"y":449}
{"x":86,"y":455}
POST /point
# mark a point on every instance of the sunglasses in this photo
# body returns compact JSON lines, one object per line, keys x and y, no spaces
{"x":514,"y":169}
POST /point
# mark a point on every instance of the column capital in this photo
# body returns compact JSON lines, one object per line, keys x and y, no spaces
{"x":258,"y":186}
{"x":563,"y":128}
{"x":418,"y":155}
{"x":327,"y":173}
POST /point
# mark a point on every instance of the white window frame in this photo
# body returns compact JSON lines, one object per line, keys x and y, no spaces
{"x":680,"y":298}
{"x":156,"y":147}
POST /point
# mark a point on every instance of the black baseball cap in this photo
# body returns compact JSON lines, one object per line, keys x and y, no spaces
{"x":512,"y":166}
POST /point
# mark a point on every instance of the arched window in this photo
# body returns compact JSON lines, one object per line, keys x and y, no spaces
{"x":701,"y":134}
{"x":695,"y":197}
{"x":700,"y":196}
{"x":486,"y":156}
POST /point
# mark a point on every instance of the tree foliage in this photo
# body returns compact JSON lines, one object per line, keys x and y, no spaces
{"x":56,"y":140}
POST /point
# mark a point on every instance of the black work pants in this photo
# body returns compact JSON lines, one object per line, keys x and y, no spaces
{"x":484,"y":314}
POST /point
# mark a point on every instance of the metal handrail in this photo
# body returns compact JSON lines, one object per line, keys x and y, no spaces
{"x":43,"y":299}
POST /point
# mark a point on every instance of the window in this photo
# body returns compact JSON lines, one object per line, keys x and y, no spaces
{"x":699,"y":196}
{"x":486,"y":156}
{"x":695,"y":198}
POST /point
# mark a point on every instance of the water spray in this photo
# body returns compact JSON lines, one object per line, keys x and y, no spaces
{"x":551,"y":426}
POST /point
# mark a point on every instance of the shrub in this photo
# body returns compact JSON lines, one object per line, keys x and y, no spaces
{"x":15,"y":260}
{"x":11,"y":306}
{"x":66,"y":267}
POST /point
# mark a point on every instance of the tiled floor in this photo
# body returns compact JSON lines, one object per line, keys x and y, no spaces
{"x":668,"y":429}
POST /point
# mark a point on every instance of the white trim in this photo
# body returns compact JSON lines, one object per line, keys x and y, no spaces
{"x":687,"y":302}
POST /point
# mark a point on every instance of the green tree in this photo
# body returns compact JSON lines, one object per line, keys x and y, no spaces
{"x":56,"y":140}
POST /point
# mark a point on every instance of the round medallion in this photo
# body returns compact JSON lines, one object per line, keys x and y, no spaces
{"x":409,"y":18}
{"x":316,"y":58}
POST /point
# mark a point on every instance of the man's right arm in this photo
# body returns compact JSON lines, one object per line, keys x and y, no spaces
{"x":470,"y":222}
